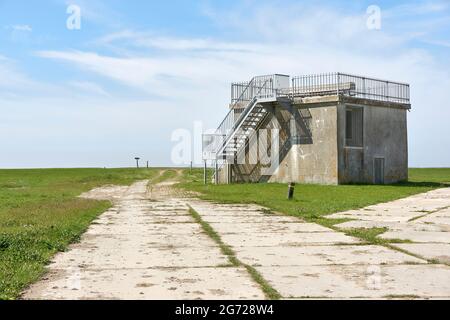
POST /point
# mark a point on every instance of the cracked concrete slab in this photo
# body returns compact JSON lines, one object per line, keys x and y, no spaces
{"x":282,"y":239}
{"x":429,"y":229}
{"x":432,"y":251}
{"x":153,"y":228}
{"x":147,"y":257}
{"x":257,"y":227}
{"x":418,"y":236}
{"x":156,"y":284}
{"x":149,"y":240}
{"x":225,"y":208}
{"x":438,"y":218}
{"x":350,"y":281}
{"x":394,"y":226}
{"x":248,"y":219}
{"x":382,"y":215}
{"x":323,"y":255}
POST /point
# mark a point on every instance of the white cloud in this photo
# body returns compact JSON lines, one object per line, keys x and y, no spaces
{"x":147,"y":40}
{"x":416,"y":9}
{"x":11,"y":76}
{"x":89,"y":87}
{"x":15,"y":84}
{"x":300,"y":23}
{"x":22,"y":27}
{"x":205,"y":68}
{"x":173,"y":76}
{"x":441,"y":43}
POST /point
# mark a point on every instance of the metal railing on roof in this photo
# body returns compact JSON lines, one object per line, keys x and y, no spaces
{"x":258,"y":87}
{"x":350,"y":85}
{"x":261,"y":86}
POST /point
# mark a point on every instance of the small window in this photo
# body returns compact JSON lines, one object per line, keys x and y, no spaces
{"x":354,"y":127}
{"x":348,"y":125}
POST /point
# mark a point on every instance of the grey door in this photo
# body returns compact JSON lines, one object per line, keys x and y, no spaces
{"x":379,"y":170}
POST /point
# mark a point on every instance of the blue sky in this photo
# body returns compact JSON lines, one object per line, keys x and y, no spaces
{"x":138,"y":70}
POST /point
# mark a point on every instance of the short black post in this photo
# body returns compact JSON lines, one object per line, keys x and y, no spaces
{"x":291,"y":190}
{"x":204,"y":173}
{"x":137,"y":162}
{"x":147,"y":164}
{"x":216,"y":173}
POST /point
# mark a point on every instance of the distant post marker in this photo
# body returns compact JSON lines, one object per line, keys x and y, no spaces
{"x":147,"y":164}
{"x":137,"y":161}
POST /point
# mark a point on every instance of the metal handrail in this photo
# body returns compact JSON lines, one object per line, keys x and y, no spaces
{"x":253,"y":84}
{"x":231,"y":112}
{"x":236,"y":124}
{"x":243,"y":115}
{"x":360,"y":87}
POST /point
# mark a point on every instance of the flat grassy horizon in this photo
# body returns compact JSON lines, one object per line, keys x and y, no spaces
{"x":40,"y":214}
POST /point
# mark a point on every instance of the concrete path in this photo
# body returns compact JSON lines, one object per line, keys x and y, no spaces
{"x":423,"y":220}
{"x":149,"y":247}
{"x":144,"y":248}
{"x":305,"y":260}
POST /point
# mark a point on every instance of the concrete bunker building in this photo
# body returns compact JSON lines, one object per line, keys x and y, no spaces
{"x":331,"y":128}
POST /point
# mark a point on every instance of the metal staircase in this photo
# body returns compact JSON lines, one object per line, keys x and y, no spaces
{"x":233,"y":134}
{"x":244,"y":127}
{"x":249,"y":170}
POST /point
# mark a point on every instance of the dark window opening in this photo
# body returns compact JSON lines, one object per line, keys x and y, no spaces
{"x":348,"y":124}
{"x":354,"y":127}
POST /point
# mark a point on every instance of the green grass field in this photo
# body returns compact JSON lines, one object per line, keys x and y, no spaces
{"x":40,"y":214}
{"x":312,"y":202}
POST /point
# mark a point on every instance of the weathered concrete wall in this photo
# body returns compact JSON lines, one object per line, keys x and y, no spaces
{"x":324,"y":158}
{"x":316,"y":161}
{"x":384,"y":136}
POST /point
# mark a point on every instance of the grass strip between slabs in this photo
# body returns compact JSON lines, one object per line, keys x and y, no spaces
{"x":268,"y":290}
